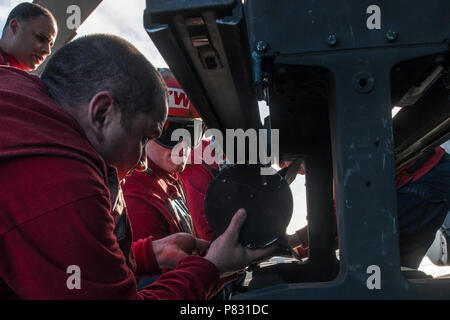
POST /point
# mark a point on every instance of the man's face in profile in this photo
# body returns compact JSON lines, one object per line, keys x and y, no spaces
{"x":32,"y":41}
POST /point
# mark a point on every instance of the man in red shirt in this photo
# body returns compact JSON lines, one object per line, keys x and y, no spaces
{"x":97,"y":104}
{"x":423,"y":202}
{"x":28,"y":36}
{"x":196,"y":178}
{"x":159,"y":201}
{"x":168,"y":197}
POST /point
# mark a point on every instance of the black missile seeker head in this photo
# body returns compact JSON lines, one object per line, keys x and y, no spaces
{"x":266,"y":198}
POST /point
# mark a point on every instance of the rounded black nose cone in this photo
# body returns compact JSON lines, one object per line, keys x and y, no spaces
{"x":266,"y":198}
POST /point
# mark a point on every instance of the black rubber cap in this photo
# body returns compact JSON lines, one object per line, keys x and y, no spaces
{"x":266,"y":198}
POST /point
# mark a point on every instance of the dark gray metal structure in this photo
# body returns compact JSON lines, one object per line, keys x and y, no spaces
{"x":330,"y":71}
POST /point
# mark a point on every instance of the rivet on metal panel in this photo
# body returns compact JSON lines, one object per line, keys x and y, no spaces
{"x":261,"y":46}
{"x":331,"y":40}
{"x":391,"y":35}
{"x":363,"y":82}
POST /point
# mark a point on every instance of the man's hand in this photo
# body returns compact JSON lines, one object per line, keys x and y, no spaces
{"x":228,"y":255}
{"x":171,"y":249}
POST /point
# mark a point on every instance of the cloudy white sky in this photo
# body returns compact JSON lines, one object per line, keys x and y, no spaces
{"x":125,"y":19}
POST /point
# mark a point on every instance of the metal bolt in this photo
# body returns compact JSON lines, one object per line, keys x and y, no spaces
{"x":391,"y":35}
{"x":261,"y":46}
{"x":331,"y":40}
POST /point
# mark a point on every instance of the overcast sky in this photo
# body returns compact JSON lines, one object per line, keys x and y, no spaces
{"x":125,"y":19}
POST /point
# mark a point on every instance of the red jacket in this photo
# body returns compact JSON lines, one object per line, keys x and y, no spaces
{"x":8,"y":60}
{"x":196,"y":178}
{"x":147,"y":196}
{"x":56,"y":211}
{"x":403,"y":177}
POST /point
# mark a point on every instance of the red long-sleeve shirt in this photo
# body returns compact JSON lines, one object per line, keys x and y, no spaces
{"x":8,"y":60}
{"x":403,"y":177}
{"x":196,"y":178}
{"x":147,"y":194}
{"x":55,"y":211}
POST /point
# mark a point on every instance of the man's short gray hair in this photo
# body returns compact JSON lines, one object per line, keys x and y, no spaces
{"x":94,"y":63}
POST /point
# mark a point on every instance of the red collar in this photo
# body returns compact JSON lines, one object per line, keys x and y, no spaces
{"x":170,"y":182}
{"x":10,"y":60}
{"x":172,"y":177}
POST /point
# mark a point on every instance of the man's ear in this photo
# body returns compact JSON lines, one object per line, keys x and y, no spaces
{"x":101,"y":112}
{"x":14,"y":25}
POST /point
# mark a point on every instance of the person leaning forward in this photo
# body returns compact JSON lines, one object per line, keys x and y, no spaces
{"x":28,"y":36}
{"x":97,"y":104}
